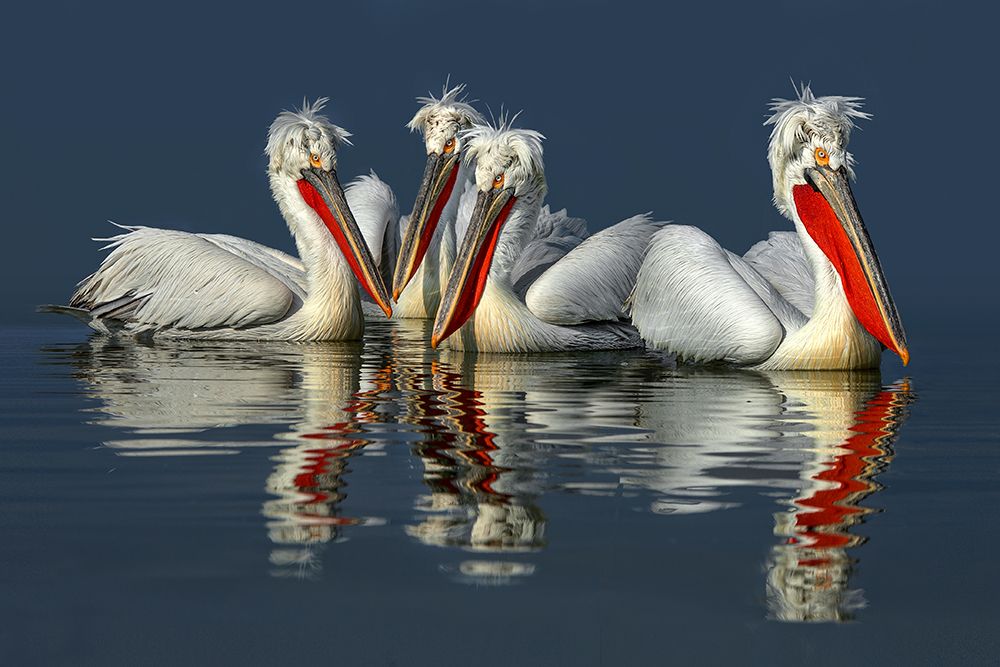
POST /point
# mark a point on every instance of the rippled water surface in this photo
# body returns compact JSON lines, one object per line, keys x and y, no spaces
{"x":388,"y":504}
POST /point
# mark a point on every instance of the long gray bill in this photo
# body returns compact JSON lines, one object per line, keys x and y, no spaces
{"x":461,"y":295}
{"x":833,"y":184}
{"x":351,"y":241}
{"x":438,"y":181}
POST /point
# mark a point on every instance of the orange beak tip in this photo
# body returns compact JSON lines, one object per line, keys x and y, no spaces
{"x":434,"y":342}
{"x":905,"y":356}
{"x":395,"y":295}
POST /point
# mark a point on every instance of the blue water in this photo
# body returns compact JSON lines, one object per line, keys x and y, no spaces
{"x":391,"y":505}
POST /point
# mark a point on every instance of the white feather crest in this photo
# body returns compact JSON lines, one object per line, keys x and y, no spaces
{"x":802,"y":125}
{"x":831,"y":117}
{"x":453,"y":105}
{"x":502,"y":148}
{"x":302,"y":126}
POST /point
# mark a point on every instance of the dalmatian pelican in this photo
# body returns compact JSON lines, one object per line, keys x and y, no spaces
{"x":495,"y":304}
{"x":181,"y":285}
{"x":427,"y":247}
{"x":444,"y":205}
{"x":812,"y":299}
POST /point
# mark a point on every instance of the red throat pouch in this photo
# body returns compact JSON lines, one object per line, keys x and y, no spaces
{"x":316,"y":203}
{"x":469,"y":300}
{"x":826,"y":230}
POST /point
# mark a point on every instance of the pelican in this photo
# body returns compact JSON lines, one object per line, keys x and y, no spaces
{"x":444,"y":204}
{"x":427,"y":247}
{"x":815,"y":298}
{"x":180,"y":285}
{"x":575,"y":304}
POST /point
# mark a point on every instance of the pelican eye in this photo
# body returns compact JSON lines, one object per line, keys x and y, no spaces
{"x":822,"y":157}
{"x":498,"y":181}
{"x":449,"y":145}
{"x":315,"y":161}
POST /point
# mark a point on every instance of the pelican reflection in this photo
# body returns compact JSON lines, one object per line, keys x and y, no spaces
{"x":815,"y":439}
{"x":810,"y":568}
{"x":181,"y":398}
{"x":498,"y":438}
{"x":482,"y":479}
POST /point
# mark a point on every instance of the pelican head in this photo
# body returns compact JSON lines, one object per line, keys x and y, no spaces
{"x":302,"y":152}
{"x":441,"y":122}
{"x":812,"y":170}
{"x":509,"y":170}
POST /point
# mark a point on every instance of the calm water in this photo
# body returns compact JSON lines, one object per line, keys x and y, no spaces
{"x":388,"y":504}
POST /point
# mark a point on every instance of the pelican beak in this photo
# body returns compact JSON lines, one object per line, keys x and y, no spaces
{"x":435,"y":190}
{"x":827,"y":209}
{"x":472,"y":265}
{"x":322,"y":192}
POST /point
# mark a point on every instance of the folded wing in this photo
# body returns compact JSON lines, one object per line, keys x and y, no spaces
{"x":780,"y":260}
{"x":591,"y":282}
{"x":160,"y":279}
{"x":702,"y":303}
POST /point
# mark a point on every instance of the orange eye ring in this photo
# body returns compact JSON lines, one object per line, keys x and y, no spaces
{"x":822,"y":157}
{"x":498,"y":181}
{"x":315,"y":161}
{"x":449,"y":145}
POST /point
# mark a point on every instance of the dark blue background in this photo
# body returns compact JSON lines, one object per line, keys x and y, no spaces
{"x":157,"y":115}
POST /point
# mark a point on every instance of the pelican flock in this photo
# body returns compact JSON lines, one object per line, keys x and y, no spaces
{"x":486,"y":260}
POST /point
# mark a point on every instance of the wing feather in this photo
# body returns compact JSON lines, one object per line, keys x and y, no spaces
{"x":781,"y":261}
{"x":690,"y":300}
{"x":591,"y":282}
{"x":158,"y":279}
{"x":376,"y":211}
{"x":281,"y":265}
{"x":555,"y":235}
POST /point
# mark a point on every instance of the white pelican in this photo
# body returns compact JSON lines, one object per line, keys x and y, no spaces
{"x":575,"y":304}
{"x":443,"y":206}
{"x":428,"y":242}
{"x":812,"y":299}
{"x":177,"y":284}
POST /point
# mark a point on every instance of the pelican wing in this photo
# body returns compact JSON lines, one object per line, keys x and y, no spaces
{"x":591,"y":283}
{"x":555,"y":235}
{"x":782,"y":262}
{"x":283,"y":266}
{"x":158,"y":279}
{"x":375,"y":209}
{"x":696,"y":300}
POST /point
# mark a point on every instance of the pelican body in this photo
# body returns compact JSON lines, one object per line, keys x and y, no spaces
{"x":493,"y":303}
{"x":813,"y":299}
{"x":181,"y":285}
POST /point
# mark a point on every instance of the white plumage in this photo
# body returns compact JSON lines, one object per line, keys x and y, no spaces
{"x":813,"y":299}
{"x":178,"y":284}
{"x":441,"y":122}
{"x":374,"y":206}
{"x":575,"y":302}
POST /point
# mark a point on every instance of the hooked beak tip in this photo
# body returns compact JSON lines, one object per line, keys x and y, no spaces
{"x":904,"y":354}
{"x":435,"y":341}
{"x":395,"y":294}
